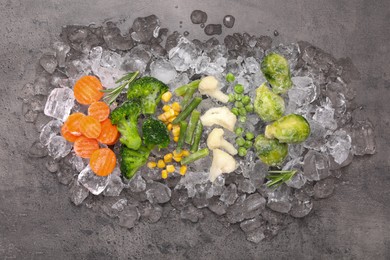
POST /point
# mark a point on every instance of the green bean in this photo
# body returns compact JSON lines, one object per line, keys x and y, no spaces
{"x":180,"y":91}
{"x":195,"y":156}
{"x":195,"y":115}
{"x":187,"y":110}
{"x":180,"y":142}
{"x":197,"y":137}
{"x":187,"y":96}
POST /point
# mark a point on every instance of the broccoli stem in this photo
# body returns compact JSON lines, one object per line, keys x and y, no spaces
{"x":180,"y":142}
{"x":180,"y":91}
{"x":197,"y":137}
{"x":195,"y":156}
{"x":187,"y":111}
{"x":195,"y":115}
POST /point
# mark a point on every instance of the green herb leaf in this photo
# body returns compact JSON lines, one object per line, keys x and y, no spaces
{"x":277,"y":178}
{"x":113,"y":93}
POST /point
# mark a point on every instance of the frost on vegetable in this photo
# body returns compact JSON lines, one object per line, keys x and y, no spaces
{"x":222,"y":163}
{"x":210,"y":86}
{"x":277,"y":72}
{"x":221,"y":116}
{"x":268,"y":105}
{"x":270,"y":151}
{"x":292,"y":128}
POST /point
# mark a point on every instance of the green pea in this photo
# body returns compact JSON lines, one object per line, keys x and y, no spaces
{"x":242,"y":111}
{"x":239,"y":131}
{"x":238,"y":104}
{"x":238,"y":97}
{"x":242,"y":151}
{"x":249,"y":108}
{"x":249,"y":136}
{"x":230,"y":77}
{"x":240,"y":141}
{"x":242,"y":119}
{"x":239,"y":89}
{"x":235,"y":111}
{"x":248,"y":144}
{"x":231,"y":98}
{"x":246,"y":100}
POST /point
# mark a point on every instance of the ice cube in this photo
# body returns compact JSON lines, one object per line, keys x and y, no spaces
{"x":48,"y":62}
{"x":136,"y":60}
{"x":163,"y":70}
{"x":158,"y":193}
{"x":363,"y":140}
{"x":59,"y":103}
{"x":301,"y":208}
{"x":217,"y":206}
{"x":251,"y":65}
{"x":245,"y":185}
{"x":78,"y":193}
{"x":114,"y":40}
{"x":151,"y":213}
{"x":41,"y":86}
{"x":58,"y":147}
{"x":145,"y":28}
{"x":128,"y":218}
{"x":279,"y":199}
{"x":65,"y":174}
{"x":324,"y":188}
{"x":191,"y":213}
{"x":137,"y":183}
{"x":246,"y":208}
{"x":324,"y":115}
{"x":191,"y":179}
{"x":229,"y":195}
{"x":52,"y":165}
{"x":316,"y":166}
{"x":51,"y":129}
{"x":115,"y":185}
{"x":184,"y":55}
{"x":339,"y":145}
{"x":37,"y":150}
{"x":94,"y":183}
{"x":62,"y":50}
{"x":114,"y":207}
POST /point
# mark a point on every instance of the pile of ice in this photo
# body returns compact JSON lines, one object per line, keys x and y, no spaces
{"x":321,"y":93}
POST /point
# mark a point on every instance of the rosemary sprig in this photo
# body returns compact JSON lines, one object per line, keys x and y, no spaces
{"x":277,"y":178}
{"x":112,"y":94}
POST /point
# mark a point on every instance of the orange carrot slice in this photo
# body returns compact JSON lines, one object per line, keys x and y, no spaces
{"x":84,"y":147}
{"x":67,"y":134}
{"x":73,"y":123}
{"x":109,"y":133}
{"x":99,"y":110}
{"x":87,"y":90}
{"x":102,"y":161}
{"x":90,"y":127}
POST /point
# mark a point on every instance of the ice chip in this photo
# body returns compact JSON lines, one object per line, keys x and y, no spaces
{"x":59,"y":103}
{"x":324,"y":188}
{"x":279,"y":199}
{"x":58,"y":147}
{"x":128,"y":218}
{"x":229,"y":195}
{"x":339,"y":145}
{"x":191,"y":213}
{"x":51,"y":129}
{"x":62,"y":50}
{"x":316,"y":166}
{"x":115,"y":184}
{"x":94,"y":183}
{"x":163,"y":70}
{"x":48,"y":62}
{"x":183,"y":56}
{"x":158,"y":193}
{"x":78,"y":193}
{"x":363,"y":140}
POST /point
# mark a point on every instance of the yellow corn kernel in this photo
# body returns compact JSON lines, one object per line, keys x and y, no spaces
{"x":170,"y":120}
{"x":169,"y":127}
{"x":176,"y":154}
{"x":162,"y":117}
{"x":164,"y":174}
{"x":151,"y":165}
{"x":183,"y":169}
{"x":168,"y":157}
{"x":185,"y":153}
{"x":176,"y":106}
{"x":166,"y":96}
{"x":177,"y":113}
{"x":161,"y":164}
{"x":177,"y":158}
{"x":170,"y":168}
{"x":176,"y":131}
{"x":176,"y":139}
{"x":166,"y":108}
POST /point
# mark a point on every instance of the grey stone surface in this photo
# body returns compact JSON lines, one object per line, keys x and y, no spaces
{"x":37,"y":221}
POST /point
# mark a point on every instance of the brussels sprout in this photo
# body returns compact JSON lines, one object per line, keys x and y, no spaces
{"x":277,"y":71}
{"x":268,"y":105}
{"x":270,"y":151}
{"x":289,"y":129}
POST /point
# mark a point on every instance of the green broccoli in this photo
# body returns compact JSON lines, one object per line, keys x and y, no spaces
{"x":125,"y":117}
{"x":155,"y":133}
{"x":132,"y":160}
{"x":149,"y":91}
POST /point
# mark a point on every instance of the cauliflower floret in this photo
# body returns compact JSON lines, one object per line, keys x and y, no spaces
{"x":221,"y":116}
{"x":210,"y":86}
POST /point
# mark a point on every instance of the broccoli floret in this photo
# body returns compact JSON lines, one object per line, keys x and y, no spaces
{"x":125,"y":117}
{"x":149,"y":91}
{"x":155,"y":133}
{"x":132,"y":160}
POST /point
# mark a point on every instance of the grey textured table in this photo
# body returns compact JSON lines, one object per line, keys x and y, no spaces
{"x":37,"y":221}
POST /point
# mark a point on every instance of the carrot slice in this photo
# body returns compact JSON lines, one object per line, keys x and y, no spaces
{"x":102,"y":161}
{"x":99,"y":110}
{"x":84,"y":147}
{"x":67,"y":134}
{"x":73,"y":123}
{"x":88,"y":90}
{"x":90,"y":127}
{"x":109,"y":133}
